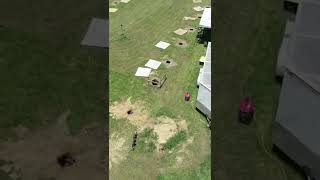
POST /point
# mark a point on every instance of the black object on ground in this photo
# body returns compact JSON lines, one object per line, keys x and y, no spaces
{"x":187,"y":96}
{"x":245,"y":117}
{"x":134,"y":143}
{"x":291,"y":7}
{"x":66,"y":160}
{"x":129,"y":112}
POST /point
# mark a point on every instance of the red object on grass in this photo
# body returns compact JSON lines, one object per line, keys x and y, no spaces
{"x":186,"y":96}
{"x":246,"y":105}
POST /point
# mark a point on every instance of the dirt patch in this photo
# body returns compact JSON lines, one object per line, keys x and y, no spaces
{"x":186,"y":144}
{"x":11,"y":171}
{"x":181,"y":43}
{"x":179,"y":160}
{"x":21,"y":131}
{"x":183,"y":125}
{"x":116,"y":150}
{"x":138,"y":116}
{"x":183,"y":153}
{"x":169,"y":63}
{"x":42,"y":147}
{"x":165,"y":128}
{"x":191,"y":29}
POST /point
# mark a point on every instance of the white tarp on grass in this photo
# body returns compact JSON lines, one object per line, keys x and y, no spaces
{"x":205,"y":20}
{"x":97,"y":34}
{"x":154,"y":64}
{"x":197,"y":1}
{"x":162,"y":45}
{"x":189,"y":18}
{"x":143,"y":72}
{"x":198,"y":8}
{"x":113,"y":10}
{"x":180,"y":31}
{"x":124,"y":1}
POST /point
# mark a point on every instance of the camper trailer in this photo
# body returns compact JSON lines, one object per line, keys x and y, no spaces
{"x":296,"y":127}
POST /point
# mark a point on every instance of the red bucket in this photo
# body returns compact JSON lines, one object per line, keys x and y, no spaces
{"x":186,"y":96}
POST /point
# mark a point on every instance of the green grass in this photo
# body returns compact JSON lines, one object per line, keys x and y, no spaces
{"x":43,"y":68}
{"x":203,"y":173}
{"x":175,"y":140}
{"x":165,"y":111}
{"x":145,"y":23}
{"x":247,"y":37}
{"x":146,"y":141}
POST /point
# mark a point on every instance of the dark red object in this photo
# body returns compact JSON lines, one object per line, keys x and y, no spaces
{"x":246,"y":111}
{"x":187,"y":96}
{"x":246,"y":105}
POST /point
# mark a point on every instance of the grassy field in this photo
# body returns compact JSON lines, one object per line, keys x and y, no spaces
{"x":44,"y":70}
{"x":144,"y":24}
{"x":248,"y":36}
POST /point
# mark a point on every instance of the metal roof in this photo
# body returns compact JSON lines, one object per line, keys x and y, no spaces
{"x":302,"y":47}
{"x":97,"y":34}
{"x":205,"y":77}
{"x":205,"y":20}
{"x":297,"y":123}
{"x":204,"y":93}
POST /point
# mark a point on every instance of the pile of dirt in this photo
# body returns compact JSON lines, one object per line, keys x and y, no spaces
{"x":36,"y":154}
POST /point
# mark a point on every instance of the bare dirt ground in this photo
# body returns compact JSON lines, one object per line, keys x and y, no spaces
{"x":134,"y":112}
{"x":137,"y":114}
{"x":165,"y":128}
{"x":181,"y":43}
{"x":34,"y":154}
{"x":117,"y":151}
{"x":183,"y":152}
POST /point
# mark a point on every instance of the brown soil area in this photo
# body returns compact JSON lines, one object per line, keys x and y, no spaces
{"x":35,"y":153}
